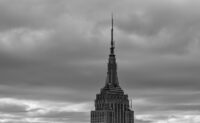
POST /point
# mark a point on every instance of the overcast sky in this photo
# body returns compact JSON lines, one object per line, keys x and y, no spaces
{"x":54,"y":54}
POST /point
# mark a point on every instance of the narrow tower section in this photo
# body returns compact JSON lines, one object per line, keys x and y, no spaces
{"x":112,"y":79}
{"x":111,"y":104}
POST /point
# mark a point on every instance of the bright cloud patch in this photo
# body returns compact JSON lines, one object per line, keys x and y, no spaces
{"x":170,"y":118}
{"x":17,"y":110}
{"x":23,"y":38}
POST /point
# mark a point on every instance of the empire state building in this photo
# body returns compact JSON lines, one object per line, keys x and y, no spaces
{"x":111,"y":104}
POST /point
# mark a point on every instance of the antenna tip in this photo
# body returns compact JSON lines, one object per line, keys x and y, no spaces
{"x":112,"y":20}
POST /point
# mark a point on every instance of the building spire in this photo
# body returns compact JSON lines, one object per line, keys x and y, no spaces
{"x":112,"y":40}
{"x":112,"y":78}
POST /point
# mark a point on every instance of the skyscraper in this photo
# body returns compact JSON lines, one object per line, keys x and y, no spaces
{"x":111,"y":104}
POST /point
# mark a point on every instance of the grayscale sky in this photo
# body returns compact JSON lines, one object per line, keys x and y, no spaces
{"x":53,"y":58}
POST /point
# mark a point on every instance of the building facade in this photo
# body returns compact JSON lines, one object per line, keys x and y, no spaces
{"x":111,"y":104}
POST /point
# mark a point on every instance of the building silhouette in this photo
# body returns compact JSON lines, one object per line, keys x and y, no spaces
{"x":111,"y":104}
